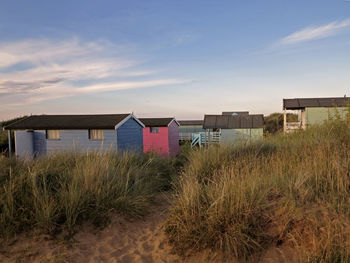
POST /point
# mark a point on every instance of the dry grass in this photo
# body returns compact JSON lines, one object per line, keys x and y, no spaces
{"x":56,"y":193}
{"x":289,"y":190}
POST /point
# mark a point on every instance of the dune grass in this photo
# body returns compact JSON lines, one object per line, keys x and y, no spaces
{"x":57,"y":193}
{"x":286,"y":191}
{"x":289,"y":190}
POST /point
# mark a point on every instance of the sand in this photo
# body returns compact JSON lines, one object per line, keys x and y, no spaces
{"x":139,"y":240}
{"x":127,"y":241}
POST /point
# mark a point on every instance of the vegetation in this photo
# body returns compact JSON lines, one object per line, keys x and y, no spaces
{"x":56,"y":193}
{"x":287,"y":191}
{"x":274,"y":122}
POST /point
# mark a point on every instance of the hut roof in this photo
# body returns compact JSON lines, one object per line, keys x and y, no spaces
{"x":233,"y":121}
{"x":301,"y":103}
{"x":156,"y":122}
{"x":191,"y":122}
{"x":70,"y":122}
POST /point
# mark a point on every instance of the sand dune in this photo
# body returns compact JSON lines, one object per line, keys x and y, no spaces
{"x":139,"y":240}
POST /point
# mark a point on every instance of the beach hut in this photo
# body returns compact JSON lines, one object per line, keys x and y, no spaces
{"x":230,"y":128}
{"x":313,"y":111}
{"x":44,"y":134}
{"x":161,"y":135}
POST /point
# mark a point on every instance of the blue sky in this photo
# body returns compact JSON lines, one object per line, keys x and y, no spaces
{"x":170,"y":58}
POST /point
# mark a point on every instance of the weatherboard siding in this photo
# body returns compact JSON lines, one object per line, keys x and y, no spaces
{"x":191,"y":128}
{"x":156,"y":142}
{"x":34,"y":143}
{"x":129,"y":136}
{"x":317,"y":115}
{"x":173,"y":134}
{"x":230,"y":136}
{"x":24,"y":145}
{"x":78,"y":140}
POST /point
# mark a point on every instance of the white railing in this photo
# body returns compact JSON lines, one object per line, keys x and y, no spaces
{"x":205,"y":138}
{"x":214,"y":137}
{"x":196,"y":139}
{"x":292,"y":126}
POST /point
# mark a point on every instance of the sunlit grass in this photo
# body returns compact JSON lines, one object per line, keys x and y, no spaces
{"x":291,"y":190}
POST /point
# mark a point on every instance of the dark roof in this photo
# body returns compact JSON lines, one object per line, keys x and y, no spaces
{"x":300,"y":103}
{"x":191,"y":122}
{"x":235,"y":113}
{"x":69,"y":122}
{"x":233,"y":122}
{"x":156,"y":122}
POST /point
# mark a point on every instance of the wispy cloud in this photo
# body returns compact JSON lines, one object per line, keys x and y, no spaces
{"x":35,"y":70}
{"x":315,"y":32}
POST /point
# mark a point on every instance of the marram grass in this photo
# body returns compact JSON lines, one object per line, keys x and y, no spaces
{"x":289,"y":190}
{"x":56,"y":193}
{"x":286,"y":191}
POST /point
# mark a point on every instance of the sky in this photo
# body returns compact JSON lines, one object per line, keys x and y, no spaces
{"x":179,"y":58}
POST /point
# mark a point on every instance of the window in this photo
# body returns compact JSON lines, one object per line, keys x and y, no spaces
{"x":52,"y":134}
{"x":154,"y":130}
{"x":96,"y":134}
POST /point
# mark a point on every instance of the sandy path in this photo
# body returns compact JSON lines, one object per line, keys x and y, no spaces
{"x":122,"y":241}
{"x":139,"y":240}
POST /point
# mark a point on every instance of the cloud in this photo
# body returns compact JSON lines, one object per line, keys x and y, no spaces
{"x":316,"y":32}
{"x":35,"y":70}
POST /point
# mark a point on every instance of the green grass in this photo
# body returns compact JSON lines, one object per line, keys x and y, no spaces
{"x":57,"y":193}
{"x":291,"y":190}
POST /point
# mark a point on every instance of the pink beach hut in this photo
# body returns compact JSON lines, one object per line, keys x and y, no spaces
{"x":161,"y":135}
